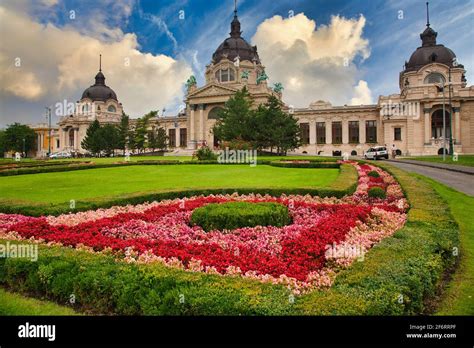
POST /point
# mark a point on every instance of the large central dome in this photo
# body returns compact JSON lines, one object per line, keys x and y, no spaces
{"x":99,"y":91}
{"x":235,"y":46}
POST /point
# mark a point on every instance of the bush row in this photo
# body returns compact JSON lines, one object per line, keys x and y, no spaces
{"x":102,"y":285}
{"x":232,"y":215}
{"x":402,"y":274}
{"x":311,"y":164}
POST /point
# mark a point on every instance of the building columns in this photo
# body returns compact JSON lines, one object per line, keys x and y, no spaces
{"x":177,"y":136}
{"x":362,"y":137}
{"x":427,"y":111}
{"x":457,"y":125}
{"x":312,"y":132}
{"x":202,"y":126}
{"x":345,"y":131}
{"x":76,"y":139}
{"x":191,"y":140}
{"x":328,"y":132}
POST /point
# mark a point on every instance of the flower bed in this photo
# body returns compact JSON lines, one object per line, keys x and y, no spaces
{"x":326,"y":234}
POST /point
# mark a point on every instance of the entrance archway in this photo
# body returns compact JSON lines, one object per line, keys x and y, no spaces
{"x":437,"y":124}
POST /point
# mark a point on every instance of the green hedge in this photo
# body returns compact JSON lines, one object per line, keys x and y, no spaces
{"x":102,"y":285}
{"x":232,"y":215}
{"x":311,"y":164}
{"x":376,"y":192}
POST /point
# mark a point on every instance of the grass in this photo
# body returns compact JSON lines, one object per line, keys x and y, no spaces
{"x":463,"y":160}
{"x":459,"y":296}
{"x":16,"y":304}
{"x":110,"y":182}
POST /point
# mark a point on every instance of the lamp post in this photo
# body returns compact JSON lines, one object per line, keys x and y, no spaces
{"x":451,"y":148}
{"x":48,"y":117}
{"x":24,"y":152}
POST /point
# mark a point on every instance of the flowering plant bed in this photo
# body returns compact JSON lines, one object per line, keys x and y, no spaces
{"x":325,"y":235}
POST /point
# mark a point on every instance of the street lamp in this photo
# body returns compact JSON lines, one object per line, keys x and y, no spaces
{"x":441,"y":89}
{"x":48,"y":117}
{"x":24,"y":152}
{"x":451,"y":148}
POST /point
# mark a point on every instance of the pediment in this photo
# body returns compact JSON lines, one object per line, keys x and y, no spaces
{"x":212,"y":90}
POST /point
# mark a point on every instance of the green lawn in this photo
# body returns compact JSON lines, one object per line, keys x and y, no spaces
{"x":109,"y":182}
{"x":459,"y":296}
{"x":16,"y":304}
{"x":463,"y":160}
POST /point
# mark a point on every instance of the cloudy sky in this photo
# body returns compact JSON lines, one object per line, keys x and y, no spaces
{"x":345,"y":52}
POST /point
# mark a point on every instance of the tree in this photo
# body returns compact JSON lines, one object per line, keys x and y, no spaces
{"x":123,"y":132}
{"x":275,"y":129}
{"x":3,"y":148}
{"x":19,"y":138}
{"x":141,"y":130}
{"x":92,"y":141}
{"x":108,"y":138}
{"x":235,"y":119}
{"x":157,"y":139}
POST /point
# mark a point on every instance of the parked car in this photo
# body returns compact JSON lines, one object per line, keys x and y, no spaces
{"x":60,"y":154}
{"x":376,"y":153}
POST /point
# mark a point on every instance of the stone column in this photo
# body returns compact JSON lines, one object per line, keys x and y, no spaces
{"x":312,"y":132}
{"x":427,"y":121}
{"x":362,"y":136}
{"x":457,"y":125}
{"x":75,"y":138}
{"x":345,"y":131}
{"x":177,"y":136}
{"x":191,"y":128}
{"x":328,"y":132}
{"x":202,"y":135}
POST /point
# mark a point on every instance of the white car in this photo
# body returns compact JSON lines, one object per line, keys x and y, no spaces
{"x":376,"y":153}
{"x":61,"y":154}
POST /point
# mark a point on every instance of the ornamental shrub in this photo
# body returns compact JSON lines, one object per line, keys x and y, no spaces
{"x":205,"y":154}
{"x":377,"y":192}
{"x":373,"y":174}
{"x":232,"y":215}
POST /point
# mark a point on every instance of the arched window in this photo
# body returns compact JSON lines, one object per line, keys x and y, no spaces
{"x":85,"y":108}
{"x":434,"y":78}
{"x":225,"y":75}
{"x":214,"y":113}
{"x":437,"y":124}
{"x":111,"y":108}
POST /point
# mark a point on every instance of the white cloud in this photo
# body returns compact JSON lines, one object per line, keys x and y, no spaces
{"x":60,"y":62}
{"x":362,"y":94}
{"x":313,"y":63}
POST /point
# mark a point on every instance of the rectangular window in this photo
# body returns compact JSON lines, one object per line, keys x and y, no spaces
{"x":337,"y":132}
{"x":321,"y":132}
{"x":183,"y":141}
{"x":57,"y":143}
{"x":354,"y":132}
{"x":371,"y":131}
{"x":397,"y":134}
{"x":304,"y":130}
{"x":172,"y":137}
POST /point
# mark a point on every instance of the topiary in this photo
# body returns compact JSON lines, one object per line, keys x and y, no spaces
{"x":232,"y":215}
{"x":373,"y":174}
{"x":205,"y":154}
{"x":377,"y":192}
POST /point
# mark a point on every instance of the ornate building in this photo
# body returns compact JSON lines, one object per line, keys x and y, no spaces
{"x":412,"y":119}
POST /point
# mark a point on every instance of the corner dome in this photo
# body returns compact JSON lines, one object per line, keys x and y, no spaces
{"x":429,"y":52}
{"x":235,"y":46}
{"x":99,"y":91}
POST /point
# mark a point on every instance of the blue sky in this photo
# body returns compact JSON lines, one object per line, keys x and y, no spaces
{"x":159,"y":30}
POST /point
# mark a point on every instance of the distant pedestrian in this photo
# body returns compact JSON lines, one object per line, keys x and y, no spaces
{"x":394,"y":151}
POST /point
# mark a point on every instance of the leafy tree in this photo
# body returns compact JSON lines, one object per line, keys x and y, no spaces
{"x":157,"y":139}
{"x":141,"y":131}
{"x":19,"y":138}
{"x":108,"y":138}
{"x":3,"y":148}
{"x":276,"y":129}
{"x":235,"y":119}
{"x":123,"y":132}
{"x":92,"y":142}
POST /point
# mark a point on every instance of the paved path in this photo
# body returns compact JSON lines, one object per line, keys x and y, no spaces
{"x":447,"y":166}
{"x":458,"y":181}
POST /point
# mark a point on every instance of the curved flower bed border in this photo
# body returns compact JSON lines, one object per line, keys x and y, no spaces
{"x":326,"y":234}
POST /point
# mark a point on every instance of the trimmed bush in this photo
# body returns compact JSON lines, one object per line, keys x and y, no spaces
{"x":373,"y":174}
{"x":232,"y":215}
{"x":376,"y":192}
{"x":204,"y":154}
